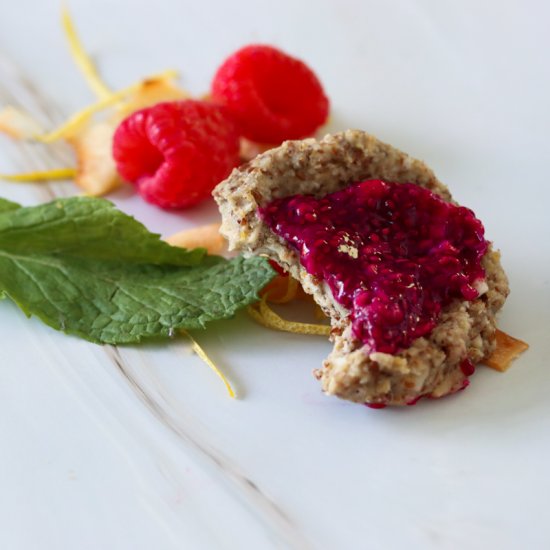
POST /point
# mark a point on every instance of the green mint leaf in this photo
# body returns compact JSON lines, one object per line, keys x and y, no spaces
{"x":66,"y":269}
{"x":85,"y":227}
{"x":118,"y":303}
{"x":6,"y":205}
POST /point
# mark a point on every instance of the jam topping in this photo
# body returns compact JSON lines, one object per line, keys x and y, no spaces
{"x":393,"y":254}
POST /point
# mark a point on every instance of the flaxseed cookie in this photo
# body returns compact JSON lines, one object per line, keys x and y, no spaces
{"x":434,"y":364}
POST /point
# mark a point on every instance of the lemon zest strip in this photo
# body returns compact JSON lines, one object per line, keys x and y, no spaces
{"x":75,"y":122}
{"x":202,"y":354}
{"x":81,"y":58}
{"x":46,"y":175}
{"x":265,"y":316}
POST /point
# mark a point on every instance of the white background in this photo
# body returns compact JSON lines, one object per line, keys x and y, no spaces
{"x":140,"y":448}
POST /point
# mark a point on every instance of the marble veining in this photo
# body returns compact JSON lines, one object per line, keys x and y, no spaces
{"x":18,"y":90}
{"x":258,"y":505}
{"x":139,"y":448}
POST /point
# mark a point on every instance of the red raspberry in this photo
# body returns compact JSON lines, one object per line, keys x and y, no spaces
{"x":175,"y":153}
{"x":273,"y":96}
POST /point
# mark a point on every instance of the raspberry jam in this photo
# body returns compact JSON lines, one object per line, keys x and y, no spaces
{"x":393,"y":254}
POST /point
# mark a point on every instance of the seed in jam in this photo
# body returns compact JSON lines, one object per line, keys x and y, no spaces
{"x":394,"y":254}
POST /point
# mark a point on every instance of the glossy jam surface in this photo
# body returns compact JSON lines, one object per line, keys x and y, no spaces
{"x":393,"y":254}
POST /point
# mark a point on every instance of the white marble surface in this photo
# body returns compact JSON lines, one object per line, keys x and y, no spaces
{"x":139,"y":448}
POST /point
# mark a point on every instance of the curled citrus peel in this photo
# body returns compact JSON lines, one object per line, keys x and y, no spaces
{"x":45,"y":175}
{"x":281,"y":290}
{"x":77,"y":121}
{"x":92,"y":141}
{"x":81,"y":58}
{"x":263,"y":314}
{"x":204,"y":357}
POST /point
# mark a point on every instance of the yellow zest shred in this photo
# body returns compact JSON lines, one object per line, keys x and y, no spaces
{"x":46,"y":175}
{"x":202,"y":354}
{"x":81,"y":58}
{"x":75,"y":123}
{"x":264,"y":315}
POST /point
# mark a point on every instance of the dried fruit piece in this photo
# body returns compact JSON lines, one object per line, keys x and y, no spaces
{"x":204,"y":236}
{"x":175,"y":153}
{"x":272,"y":95}
{"x":507,"y":349}
{"x":97,"y":173}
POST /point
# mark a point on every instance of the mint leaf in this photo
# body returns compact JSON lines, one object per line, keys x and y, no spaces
{"x":6,"y":205}
{"x":62,"y":264}
{"x":85,"y":227}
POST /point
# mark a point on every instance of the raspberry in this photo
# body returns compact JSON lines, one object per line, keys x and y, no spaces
{"x":273,"y":96}
{"x":175,"y":153}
